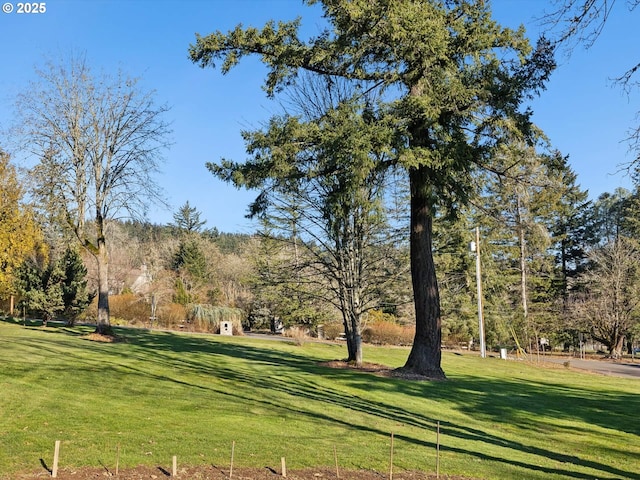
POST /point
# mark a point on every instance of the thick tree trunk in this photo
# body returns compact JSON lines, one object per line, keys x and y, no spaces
{"x":103,"y":325}
{"x":350,"y":304}
{"x":616,"y":351}
{"x":353,"y":335}
{"x":354,"y":347}
{"x":425,"y":356}
{"x":351,"y":345}
{"x":357,"y":340}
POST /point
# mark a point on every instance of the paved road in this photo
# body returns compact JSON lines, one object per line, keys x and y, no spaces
{"x":623,"y":368}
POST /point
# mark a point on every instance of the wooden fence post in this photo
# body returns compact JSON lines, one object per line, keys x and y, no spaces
{"x":117,"y":459}
{"x":391,"y":459}
{"x":233,"y":447}
{"x":438,"y":451}
{"x":56,"y":456}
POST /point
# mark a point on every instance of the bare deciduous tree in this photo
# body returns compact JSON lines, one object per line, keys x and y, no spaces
{"x":98,"y":141}
{"x":580,"y":22}
{"x":609,"y":305}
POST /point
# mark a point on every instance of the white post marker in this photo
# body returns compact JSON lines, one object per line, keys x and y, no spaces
{"x":233,"y":448}
{"x":391,"y":459}
{"x":56,"y":456}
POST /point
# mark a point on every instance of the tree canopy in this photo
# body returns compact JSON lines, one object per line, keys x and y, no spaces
{"x":187,"y":219}
{"x":455,"y":80}
{"x":98,"y":141}
{"x":20,"y":234}
{"x":322,"y":194}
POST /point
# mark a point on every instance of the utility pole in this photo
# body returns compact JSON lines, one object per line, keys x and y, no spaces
{"x":475,"y":247}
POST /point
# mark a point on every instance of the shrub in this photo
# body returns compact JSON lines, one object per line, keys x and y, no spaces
{"x":126,"y":308}
{"x":298,"y":334}
{"x":374,"y":316}
{"x":171,"y":315}
{"x":207,"y":318}
{"x":333,"y":330}
{"x":388,"y":333}
{"x":130,"y":307}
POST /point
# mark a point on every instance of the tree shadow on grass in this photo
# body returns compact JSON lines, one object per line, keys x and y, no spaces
{"x":45,"y":466}
{"x":500,"y":400}
{"x":496,"y":399}
{"x":28,"y":322}
{"x":312,"y":391}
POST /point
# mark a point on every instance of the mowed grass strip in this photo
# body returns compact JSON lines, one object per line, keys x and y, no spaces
{"x":156,"y":394}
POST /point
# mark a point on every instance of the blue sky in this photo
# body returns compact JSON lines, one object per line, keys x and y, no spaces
{"x":583,"y":113}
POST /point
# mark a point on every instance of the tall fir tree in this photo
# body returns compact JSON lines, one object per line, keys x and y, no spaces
{"x":458,"y":79}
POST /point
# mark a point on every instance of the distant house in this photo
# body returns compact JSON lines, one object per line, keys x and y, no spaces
{"x":140,"y":280}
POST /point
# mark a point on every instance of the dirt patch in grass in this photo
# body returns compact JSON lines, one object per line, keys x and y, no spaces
{"x":380,"y":370}
{"x":211,"y":472}
{"x":99,"y":337}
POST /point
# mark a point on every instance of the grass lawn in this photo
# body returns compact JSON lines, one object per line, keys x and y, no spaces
{"x":156,"y":395}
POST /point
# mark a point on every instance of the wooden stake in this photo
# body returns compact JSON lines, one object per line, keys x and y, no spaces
{"x":117,"y":458}
{"x":391,"y":459}
{"x":233,"y":448}
{"x":174,"y":471}
{"x":56,"y":456}
{"x":438,"y":451}
{"x":284,"y":467}
{"x":335,"y":458}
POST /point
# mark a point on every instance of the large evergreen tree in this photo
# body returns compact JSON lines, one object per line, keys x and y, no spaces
{"x":458,"y":79}
{"x":567,"y":222}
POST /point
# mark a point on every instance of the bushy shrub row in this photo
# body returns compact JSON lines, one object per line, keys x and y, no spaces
{"x":126,"y":308}
{"x":171,"y":315}
{"x":383,"y":332}
{"x":131,"y":309}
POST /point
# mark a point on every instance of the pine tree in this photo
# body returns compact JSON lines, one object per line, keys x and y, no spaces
{"x":187,"y":219}
{"x":40,"y":284}
{"x":323,"y":195}
{"x":75,"y":296}
{"x":526,"y":209}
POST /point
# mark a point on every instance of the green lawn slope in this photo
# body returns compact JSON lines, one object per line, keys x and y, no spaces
{"x":156,"y":394}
